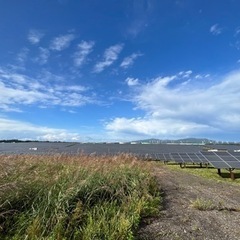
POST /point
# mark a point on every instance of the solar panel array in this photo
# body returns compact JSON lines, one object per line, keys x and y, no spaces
{"x":219,"y":160}
{"x":189,"y":158}
{"x":105,"y":149}
{"x":223,"y":159}
{"x":226,"y":157}
{"x":182,"y":154}
{"x":166,"y":157}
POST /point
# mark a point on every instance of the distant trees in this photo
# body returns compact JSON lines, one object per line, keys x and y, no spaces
{"x":16,"y":141}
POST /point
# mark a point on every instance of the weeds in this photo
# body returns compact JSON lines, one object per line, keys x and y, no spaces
{"x":74,"y":197}
{"x":207,"y":205}
{"x":203,"y":205}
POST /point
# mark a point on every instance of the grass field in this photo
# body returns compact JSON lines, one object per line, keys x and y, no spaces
{"x":210,"y":172}
{"x":75,"y":197}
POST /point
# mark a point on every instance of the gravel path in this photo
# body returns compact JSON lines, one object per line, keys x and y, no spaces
{"x":180,"y":220}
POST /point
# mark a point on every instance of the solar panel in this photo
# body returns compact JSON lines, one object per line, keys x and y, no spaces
{"x":176,"y":158}
{"x":229,"y":158}
{"x":197,"y":158}
{"x":193,"y":157}
{"x":168,"y":157}
{"x":202,"y":158}
{"x":162,"y":157}
{"x":188,"y":158}
{"x":235,"y":164}
{"x":226,"y":156}
{"x":185,"y":158}
{"x":159,"y":156}
{"x":236,"y":155}
{"x":219,"y":164}
{"x":148,"y":156}
{"x":156,"y":156}
{"x":222,"y":160}
{"x":219,"y":160}
{"x":211,"y":156}
{"x":151,"y":156}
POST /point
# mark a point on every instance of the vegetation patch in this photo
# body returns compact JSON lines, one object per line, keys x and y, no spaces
{"x":209,"y":173}
{"x":208,"y":205}
{"x":75,"y":197}
{"x":204,"y":205}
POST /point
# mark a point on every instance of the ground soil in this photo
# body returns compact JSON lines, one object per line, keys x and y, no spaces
{"x":178,"y":219}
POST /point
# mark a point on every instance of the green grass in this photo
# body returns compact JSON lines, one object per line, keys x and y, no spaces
{"x":204,"y":205}
{"x":74,"y":197}
{"x":209,"y":205}
{"x":209,"y":173}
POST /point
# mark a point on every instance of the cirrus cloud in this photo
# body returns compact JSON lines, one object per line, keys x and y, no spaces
{"x":19,"y":90}
{"x":34,"y":36}
{"x":128,"y":61}
{"x":84,"y":49}
{"x":109,"y":57}
{"x":61,"y":42}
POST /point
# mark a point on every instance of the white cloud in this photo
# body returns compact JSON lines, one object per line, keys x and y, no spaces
{"x":76,"y":88}
{"x":84,"y":49}
{"x":201,"y":76}
{"x":109,"y":57}
{"x":43,"y":56}
{"x":187,"y":74}
{"x":173,"y":109}
{"x":12,"y":129}
{"x":155,"y":127}
{"x":198,"y":76}
{"x":215,"y":29}
{"x":22,"y":55}
{"x":132,"y":81}
{"x":17,"y":90}
{"x":61,"y":42}
{"x":128,"y":61}
{"x":162,"y":81}
{"x":34,"y":36}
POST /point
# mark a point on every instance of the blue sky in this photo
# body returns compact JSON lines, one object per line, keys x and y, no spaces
{"x":111,"y":70}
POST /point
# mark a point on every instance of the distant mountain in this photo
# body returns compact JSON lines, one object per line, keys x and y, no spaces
{"x":178,"y":141}
{"x":150,"y":140}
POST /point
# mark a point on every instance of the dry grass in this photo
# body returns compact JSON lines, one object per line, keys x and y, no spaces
{"x":74,"y":196}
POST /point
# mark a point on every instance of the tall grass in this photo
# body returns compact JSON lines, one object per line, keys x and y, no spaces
{"x":74,"y":197}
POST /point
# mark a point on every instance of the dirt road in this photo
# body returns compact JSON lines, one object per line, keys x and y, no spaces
{"x":180,"y":218}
